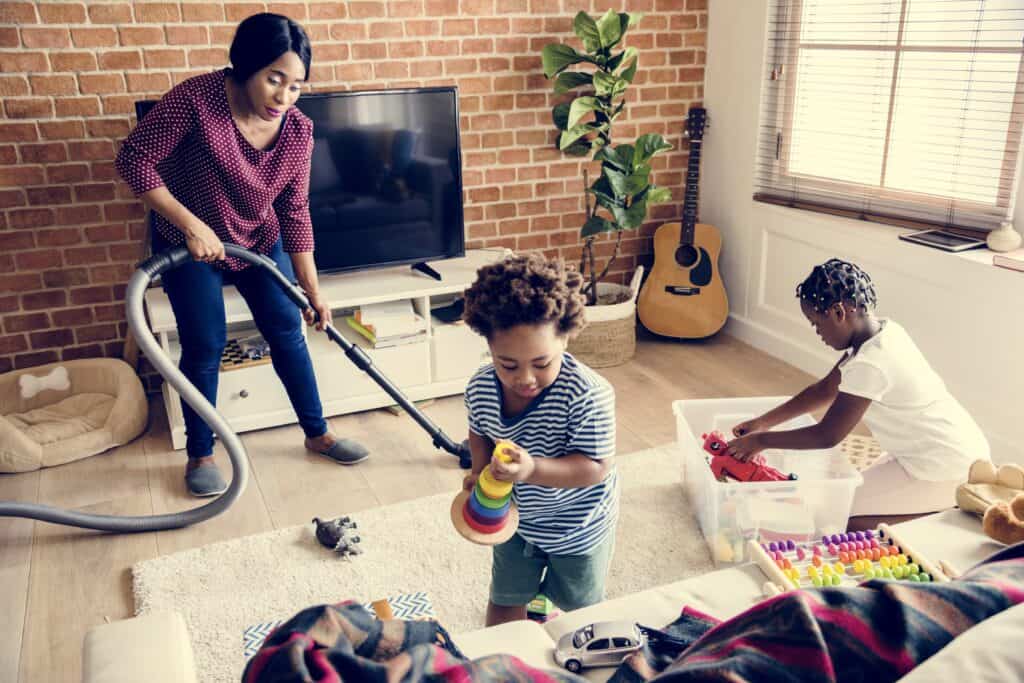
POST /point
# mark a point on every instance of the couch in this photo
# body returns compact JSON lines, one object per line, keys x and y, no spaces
{"x":156,"y":647}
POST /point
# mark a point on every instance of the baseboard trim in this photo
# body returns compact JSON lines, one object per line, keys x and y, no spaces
{"x":1004,"y":450}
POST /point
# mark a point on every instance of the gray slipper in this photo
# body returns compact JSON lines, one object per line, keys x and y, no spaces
{"x":346,"y":452}
{"x":205,"y":481}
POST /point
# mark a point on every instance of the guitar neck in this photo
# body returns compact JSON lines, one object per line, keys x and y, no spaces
{"x":690,"y":198}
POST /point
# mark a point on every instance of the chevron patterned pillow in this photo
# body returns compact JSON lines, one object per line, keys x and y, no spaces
{"x":402,"y":606}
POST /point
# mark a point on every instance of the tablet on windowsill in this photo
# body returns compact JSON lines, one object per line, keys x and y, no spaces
{"x":940,"y":239}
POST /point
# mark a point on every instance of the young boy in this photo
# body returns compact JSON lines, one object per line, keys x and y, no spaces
{"x":559,"y":417}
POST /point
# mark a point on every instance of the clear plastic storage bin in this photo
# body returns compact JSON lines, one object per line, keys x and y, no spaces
{"x":817,"y":503}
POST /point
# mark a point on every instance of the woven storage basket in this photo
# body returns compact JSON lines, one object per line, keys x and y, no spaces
{"x":605,"y":343}
{"x":610,"y":335}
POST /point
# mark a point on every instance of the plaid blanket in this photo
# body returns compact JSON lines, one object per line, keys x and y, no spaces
{"x":345,"y":642}
{"x":877,"y":631}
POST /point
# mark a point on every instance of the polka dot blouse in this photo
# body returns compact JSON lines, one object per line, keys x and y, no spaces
{"x":249,"y":197}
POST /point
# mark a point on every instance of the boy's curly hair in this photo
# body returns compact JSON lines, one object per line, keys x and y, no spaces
{"x":834,"y":281}
{"x":525,"y":290}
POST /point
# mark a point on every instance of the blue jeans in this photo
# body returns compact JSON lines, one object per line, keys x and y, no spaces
{"x":197,"y":299}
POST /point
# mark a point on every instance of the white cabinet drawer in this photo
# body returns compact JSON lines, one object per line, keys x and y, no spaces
{"x":457,"y":352}
{"x":250,"y":391}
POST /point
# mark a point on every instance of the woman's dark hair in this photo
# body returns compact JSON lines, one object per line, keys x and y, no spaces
{"x":525,"y":290}
{"x":835,"y":281}
{"x":261,"y":39}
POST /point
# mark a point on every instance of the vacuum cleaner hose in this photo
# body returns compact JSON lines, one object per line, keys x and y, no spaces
{"x":137,"y":285}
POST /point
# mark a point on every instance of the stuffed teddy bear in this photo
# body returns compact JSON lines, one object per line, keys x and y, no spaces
{"x":1004,"y":522}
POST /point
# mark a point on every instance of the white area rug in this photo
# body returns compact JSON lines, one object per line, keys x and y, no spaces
{"x":221,"y":589}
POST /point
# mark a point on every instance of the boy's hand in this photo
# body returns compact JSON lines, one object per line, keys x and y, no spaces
{"x":749,"y":427}
{"x":745,"y":447}
{"x":470,"y":481}
{"x":519,"y":468}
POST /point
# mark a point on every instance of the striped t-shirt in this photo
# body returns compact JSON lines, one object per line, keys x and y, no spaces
{"x":576,"y":414}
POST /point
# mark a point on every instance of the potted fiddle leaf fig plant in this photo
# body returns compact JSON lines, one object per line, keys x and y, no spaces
{"x":618,"y":200}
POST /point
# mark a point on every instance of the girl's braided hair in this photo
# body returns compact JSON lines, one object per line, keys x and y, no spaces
{"x":525,"y":290}
{"x":835,"y":281}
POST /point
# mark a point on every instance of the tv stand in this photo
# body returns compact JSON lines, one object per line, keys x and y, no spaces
{"x":423,"y":267}
{"x":252,"y":397}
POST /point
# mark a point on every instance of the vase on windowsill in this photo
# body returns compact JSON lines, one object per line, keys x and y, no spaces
{"x":1004,"y":238}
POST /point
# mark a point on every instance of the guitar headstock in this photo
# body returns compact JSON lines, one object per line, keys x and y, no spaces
{"x":696,"y":122}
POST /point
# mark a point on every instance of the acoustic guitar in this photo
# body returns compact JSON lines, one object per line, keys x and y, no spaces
{"x":684,"y":296}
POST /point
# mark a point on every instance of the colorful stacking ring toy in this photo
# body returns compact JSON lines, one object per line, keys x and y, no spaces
{"x":487,"y":515}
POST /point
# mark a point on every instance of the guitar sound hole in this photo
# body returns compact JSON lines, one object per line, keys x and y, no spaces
{"x":686,"y":255}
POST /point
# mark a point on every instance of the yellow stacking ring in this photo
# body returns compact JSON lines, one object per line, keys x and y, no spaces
{"x":499,"y":452}
{"x":491,"y":487}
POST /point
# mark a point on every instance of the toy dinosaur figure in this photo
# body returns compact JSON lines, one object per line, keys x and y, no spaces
{"x":724,"y":465}
{"x":335,"y":534}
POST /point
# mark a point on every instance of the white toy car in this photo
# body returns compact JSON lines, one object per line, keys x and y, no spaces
{"x":606,"y":643}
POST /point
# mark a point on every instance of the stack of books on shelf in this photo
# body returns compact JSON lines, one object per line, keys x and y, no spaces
{"x":388,"y":324}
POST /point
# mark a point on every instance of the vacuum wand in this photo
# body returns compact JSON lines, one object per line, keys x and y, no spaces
{"x":354,"y":353}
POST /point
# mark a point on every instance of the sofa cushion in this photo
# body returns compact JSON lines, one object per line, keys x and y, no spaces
{"x":720,"y":594}
{"x":151,"y":648}
{"x":526,"y":640}
{"x":988,"y":653}
{"x":952,"y":536}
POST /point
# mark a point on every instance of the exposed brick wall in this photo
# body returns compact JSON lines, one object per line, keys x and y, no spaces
{"x":70,"y":73}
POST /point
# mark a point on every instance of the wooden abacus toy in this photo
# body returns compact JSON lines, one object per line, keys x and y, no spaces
{"x":486,"y":515}
{"x":841,"y":560}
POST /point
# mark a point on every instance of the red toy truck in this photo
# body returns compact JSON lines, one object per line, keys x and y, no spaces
{"x":723,"y":466}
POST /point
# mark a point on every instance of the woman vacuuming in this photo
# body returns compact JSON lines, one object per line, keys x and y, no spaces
{"x":225,"y":157}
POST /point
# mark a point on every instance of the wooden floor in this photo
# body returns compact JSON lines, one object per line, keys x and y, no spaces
{"x":57,"y":582}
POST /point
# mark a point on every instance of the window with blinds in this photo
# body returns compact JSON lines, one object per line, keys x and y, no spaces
{"x":901,"y":111}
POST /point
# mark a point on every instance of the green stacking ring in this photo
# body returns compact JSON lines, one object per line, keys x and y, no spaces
{"x":491,"y":503}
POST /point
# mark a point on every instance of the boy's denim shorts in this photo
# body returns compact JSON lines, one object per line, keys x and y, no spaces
{"x":521,"y":570}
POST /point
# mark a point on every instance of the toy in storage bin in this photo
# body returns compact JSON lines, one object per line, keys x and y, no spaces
{"x":732,"y":513}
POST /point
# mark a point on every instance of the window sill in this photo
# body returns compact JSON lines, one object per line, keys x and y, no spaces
{"x":982,"y":257}
{"x":880,"y":243}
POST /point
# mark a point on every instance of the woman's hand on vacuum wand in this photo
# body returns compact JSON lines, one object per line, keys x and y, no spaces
{"x":203,"y":243}
{"x":317,"y":307}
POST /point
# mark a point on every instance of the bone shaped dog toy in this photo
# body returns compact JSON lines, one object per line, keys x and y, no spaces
{"x":57,"y":379}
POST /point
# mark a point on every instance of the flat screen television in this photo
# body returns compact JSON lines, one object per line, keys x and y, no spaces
{"x":386,"y":179}
{"x":385,"y":186}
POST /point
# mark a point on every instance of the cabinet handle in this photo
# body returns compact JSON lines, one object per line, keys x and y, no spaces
{"x":244,"y":393}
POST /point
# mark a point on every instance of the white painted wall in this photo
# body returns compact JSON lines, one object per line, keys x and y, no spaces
{"x":966,"y":315}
